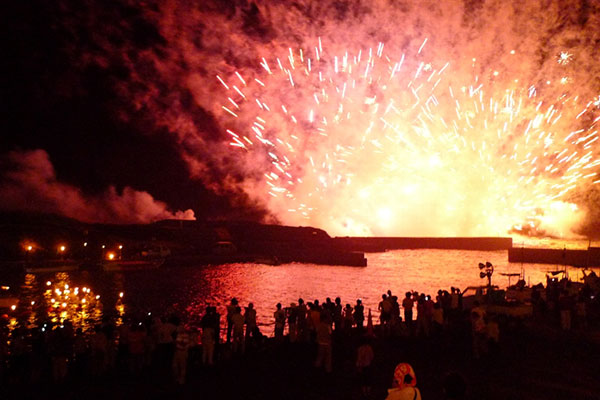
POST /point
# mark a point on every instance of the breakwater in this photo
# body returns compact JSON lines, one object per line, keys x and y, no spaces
{"x":577,"y":258}
{"x":378,"y":244}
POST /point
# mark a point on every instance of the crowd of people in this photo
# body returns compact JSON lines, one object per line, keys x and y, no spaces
{"x":165,"y":347}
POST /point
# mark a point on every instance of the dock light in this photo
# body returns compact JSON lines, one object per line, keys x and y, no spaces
{"x":13,"y":307}
{"x":103,"y":246}
{"x":84,"y":244}
{"x":111,"y":256}
{"x":62,"y":248}
{"x":33,"y":303}
{"x":97,"y":297}
{"x":48,"y":283}
{"x":29,"y":248}
{"x":121,"y":294}
{"x":5,"y":287}
{"x":120,"y":247}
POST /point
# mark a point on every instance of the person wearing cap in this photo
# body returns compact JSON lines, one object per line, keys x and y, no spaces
{"x":405,"y":384}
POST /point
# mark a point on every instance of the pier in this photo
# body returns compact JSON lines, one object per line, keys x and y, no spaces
{"x":577,"y":258}
{"x":378,"y":244}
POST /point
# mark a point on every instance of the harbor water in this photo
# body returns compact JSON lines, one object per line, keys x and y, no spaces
{"x":86,"y":297}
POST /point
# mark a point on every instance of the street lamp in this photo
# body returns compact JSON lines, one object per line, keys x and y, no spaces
{"x":61,"y":250}
{"x":28,"y":250}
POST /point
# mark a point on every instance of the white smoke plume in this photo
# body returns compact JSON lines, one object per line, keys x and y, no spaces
{"x":30,"y":184}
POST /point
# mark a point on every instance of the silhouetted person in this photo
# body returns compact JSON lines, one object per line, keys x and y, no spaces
{"x":249,"y":320}
{"x":408,"y":304}
{"x":359,"y":315}
{"x":279,"y":316}
{"x":209,"y":335}
{"x":230,"y":310}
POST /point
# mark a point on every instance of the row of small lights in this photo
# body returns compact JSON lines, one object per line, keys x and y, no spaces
{"x":62,"y":248}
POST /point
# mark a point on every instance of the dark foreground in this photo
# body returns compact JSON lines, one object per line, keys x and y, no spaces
{"x":530,"y":362}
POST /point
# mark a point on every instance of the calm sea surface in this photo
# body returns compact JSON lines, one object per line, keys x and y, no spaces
{"x":85,"y":297}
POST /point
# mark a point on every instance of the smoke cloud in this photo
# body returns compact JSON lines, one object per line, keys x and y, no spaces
{"x":172,"y":53}
{"x":30,"y":184}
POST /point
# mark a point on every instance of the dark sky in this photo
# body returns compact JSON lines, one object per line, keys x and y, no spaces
{"x":71,"y":109}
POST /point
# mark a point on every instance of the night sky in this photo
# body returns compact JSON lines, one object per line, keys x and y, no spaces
{"x":113,"y":113}
{"x":70,"y":110}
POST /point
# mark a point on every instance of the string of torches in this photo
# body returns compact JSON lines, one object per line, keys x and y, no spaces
{"x":325,"y":129}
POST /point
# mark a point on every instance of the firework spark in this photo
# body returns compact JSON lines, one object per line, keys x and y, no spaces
{"x":565,"y":57}
{"x":362,"y":142}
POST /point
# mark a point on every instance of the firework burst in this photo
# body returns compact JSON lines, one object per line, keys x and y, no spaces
{"x":368,"y":143}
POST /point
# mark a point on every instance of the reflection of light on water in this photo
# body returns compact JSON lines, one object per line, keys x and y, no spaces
{"x":120,"y":308}
{"x":79,"y":305}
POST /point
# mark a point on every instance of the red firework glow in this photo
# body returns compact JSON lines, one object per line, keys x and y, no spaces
{"x":364,"y":142}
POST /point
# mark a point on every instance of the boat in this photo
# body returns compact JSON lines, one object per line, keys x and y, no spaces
{"x":132,"y":265}
{"x":494,"y":301}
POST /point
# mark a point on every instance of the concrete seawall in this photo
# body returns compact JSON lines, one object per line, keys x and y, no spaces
{"x":578,"y":258}
{"x":378,"y":244}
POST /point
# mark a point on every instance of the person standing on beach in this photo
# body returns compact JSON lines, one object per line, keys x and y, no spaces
{"x":337,"y":314}
{"x":250,"y":320}
{"x":359,"y":315}
{"x":209,"y":335}
{"x":230,"y":310}
{"x":279,"y":316}
{"x":385,"y":314}
{"x":237,"y":320}
{"x":408,"y":304}
{"x":348,"y":318}
{"x":301,"y":322}
{"x":292,"y":318}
